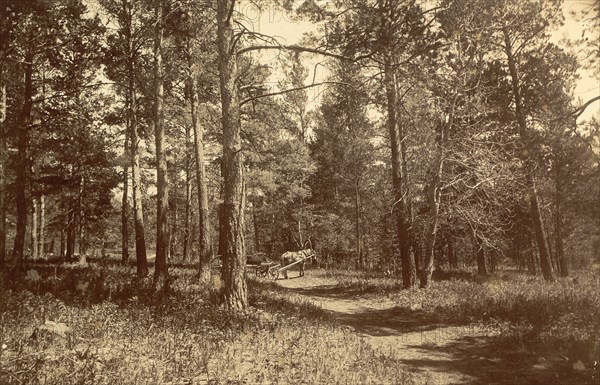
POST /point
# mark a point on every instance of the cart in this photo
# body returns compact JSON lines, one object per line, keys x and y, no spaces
{"x":273,"y":271}
{"x":268,"y":270}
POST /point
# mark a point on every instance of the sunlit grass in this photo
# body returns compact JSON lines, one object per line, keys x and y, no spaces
{"x":56,"y":330}
{"x":565,"y":313}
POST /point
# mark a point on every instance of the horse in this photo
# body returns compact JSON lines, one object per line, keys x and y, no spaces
{"x":290,"y":257}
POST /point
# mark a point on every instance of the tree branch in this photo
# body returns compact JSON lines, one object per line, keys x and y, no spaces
{"x":297,"y":48}
{"x":282,"y":92}
{"x":579,"y":111}
{"x":61,"y":95}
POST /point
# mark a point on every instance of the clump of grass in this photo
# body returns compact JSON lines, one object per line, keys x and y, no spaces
{"x":268,"y":297}
{"x":362,"y":282}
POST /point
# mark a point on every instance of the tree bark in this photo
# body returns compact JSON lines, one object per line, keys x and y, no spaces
{"x":357,"y":209}
{"x":136,"y":177}
{"x":479,"y":246}
{"x":536,"y":215}
{"x":42,"y":227}
{"x":63,"y":250}
{"x":161,"y":272}
{"x":81,"y":223}
{"x":433,"y":200}
{"x":234,"y":258}
{"x":34,"y":227}
{"x":173,"y":241}
{"x":188,"y":195}
{"x":560,"y":246}
{"x":452,"y":258}
{"x":70,"y":234}
{"x":125,"y":198}
{"x":402,"y":226}
{"x":204,"y":242}
{"x":22,"y":165}
{"x":3,"y":155}
{"x":257,"y":243}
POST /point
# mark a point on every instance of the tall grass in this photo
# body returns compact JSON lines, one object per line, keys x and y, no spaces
{"x":56,"y":330}
{"x":565,"y":312}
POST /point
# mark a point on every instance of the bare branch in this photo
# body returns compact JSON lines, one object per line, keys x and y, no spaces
{"x":282,"y":92}
{"x":65,"y":94}
{"x":579,"y":111}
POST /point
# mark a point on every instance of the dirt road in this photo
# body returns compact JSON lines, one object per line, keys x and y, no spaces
{"x":434,"y":352}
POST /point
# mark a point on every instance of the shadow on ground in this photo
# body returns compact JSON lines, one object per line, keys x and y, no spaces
{"x":440,"y":352}
{"x":333,"y":291}
{"x":394,"y":321}
{"x":497,"y":360}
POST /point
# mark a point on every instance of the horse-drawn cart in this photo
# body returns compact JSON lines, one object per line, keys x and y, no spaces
{"x":270,"y":270}
{"x":267,"y":268}
{"x":273,"y":270}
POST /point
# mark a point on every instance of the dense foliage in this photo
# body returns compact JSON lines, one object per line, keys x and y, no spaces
{"x":441,"y":137}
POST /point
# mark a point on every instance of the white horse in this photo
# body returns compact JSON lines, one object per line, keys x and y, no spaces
{"x":290,"y":257}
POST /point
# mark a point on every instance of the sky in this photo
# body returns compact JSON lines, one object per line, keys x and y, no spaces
{"x":587,"y":87}
{"x":270,"y":20}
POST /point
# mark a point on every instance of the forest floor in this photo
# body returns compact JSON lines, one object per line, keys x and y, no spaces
{"x":98,"y":324}
{"x":434,"y":351}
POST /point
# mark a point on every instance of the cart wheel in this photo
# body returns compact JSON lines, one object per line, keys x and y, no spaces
{"x":274,"y":273}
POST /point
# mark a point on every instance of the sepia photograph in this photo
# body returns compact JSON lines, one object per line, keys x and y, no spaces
{"x":298,"y":192}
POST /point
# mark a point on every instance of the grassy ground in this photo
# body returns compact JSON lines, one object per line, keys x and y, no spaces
{"x":97,"y":325}
{"x":82,"y":326}
{"x":559,"y":319}
{"x":567,"y":308}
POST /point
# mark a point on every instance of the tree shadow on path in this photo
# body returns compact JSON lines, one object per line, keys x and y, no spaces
{"x":496,"y":360}
{"x":442,"y":352}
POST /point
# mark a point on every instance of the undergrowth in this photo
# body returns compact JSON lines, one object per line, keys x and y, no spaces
{"x":100,"y":326}
{"x":564,"y":313}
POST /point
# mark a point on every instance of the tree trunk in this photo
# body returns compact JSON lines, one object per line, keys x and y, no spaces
{"x":35,"y":207}
{"x":81,"y":215}
{"x":125,"y":198}
{"x":22,"y":165}
{"x":3,"y":158}
{"x":173,"y":210}
{"x":234,"y":258}
{"x":42,"y":227}
{"x":402,"y":228}
{"x":480,"y":252}
{"x":359,"y":252}
{"x":560,"y":246}
{"x":452,"y":259}
{"x":63,"y":249}
{"x":136,"y":177}
{"x":532,"y":257}
{"x":161,"y":272}
{"x":134,"y":142}
{"x":70,"y":234}
{"x":204,"y":242}
{"x":418,"y":248}
{"x":536,"y":215}
{"x":188,"y":195}
{"x":257,"y":244}
{"x":433,"y":199}
{"x":481,"y":261}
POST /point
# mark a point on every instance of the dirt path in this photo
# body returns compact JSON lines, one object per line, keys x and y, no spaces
{"x":436,"y":353}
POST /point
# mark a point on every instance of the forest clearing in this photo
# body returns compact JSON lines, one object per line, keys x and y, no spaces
{"x":299,"y":192}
